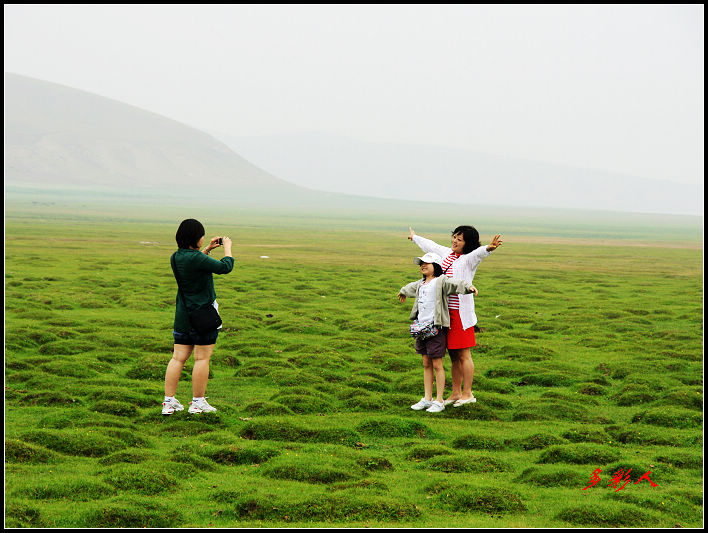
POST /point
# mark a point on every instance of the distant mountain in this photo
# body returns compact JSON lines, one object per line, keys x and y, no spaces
{"x":439,"y":174}
{"x":59,"y":137}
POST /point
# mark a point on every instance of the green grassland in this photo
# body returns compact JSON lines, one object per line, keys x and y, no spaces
{"x":590,"y":356}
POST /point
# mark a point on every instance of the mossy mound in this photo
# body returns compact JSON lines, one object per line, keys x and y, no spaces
{"x":72,"y":490}
{"x":687,"y":397}
{"x":132,"y":513}
{"x":125,"y":395}
{"x":669,"y":417}
{"x":592,"y":389}
{"x":583,"y":434}
{"x":468,"y":463}
{"x":551,"y":410}
{"x":240,"y":455}
{"x":371,"y":402}
{"x":373,"y":485}
{"x":394,"y":427}
{"x":141,"y":479}
{"x":374,"y":463}
{"x":285,"y":431}
{"x":17,"y":451}
{"x":534,"y":442}
{"x":422,"y":453}
{"x":554,"y":477}
{"x":579,"y":454}
{"x":647,"y":435}
{"x":325,"y":508}
{"x":126,"y":456}
{"x":601,"y":515}
{"x":477,"y":442}
{"x":268,"y":408}
{"x":311,"y":473}
{"x":117,"y":408}
{"x":489,"y":500}
{"x":472,"y":411}
{"x":21,"y":514}
{"x":485,"y":384}
{"x":669,"y":504}
{"x":80,"y":443}
{"x":302,"y":404}
{"x":549,"y":379}
{"x":681,"y":460}
{"x":634,"y":394}
{"x":50,"y":399}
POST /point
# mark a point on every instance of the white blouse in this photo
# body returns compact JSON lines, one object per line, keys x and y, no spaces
{"x":464,"y":267}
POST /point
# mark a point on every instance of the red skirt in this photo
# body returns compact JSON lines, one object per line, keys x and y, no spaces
{"x":457,"y":337}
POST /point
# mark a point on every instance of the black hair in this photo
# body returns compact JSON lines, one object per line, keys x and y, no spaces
{"x":437,"y":270}
{"x":471,"y":237}
{"x":189,"y":233}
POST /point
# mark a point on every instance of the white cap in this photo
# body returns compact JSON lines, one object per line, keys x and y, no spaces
{"x":430,"y":257}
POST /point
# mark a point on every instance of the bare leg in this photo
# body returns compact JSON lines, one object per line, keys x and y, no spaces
{"x":174,"y":368}
{"x":200,"y":372}
{"x":467,"y":367}
{"x":439,"y":378}
{"x":428,"y":377}
{"x":456,"y":369}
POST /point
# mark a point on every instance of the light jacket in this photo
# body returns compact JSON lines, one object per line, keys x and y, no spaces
{"x":444,"y":287}
{"x":464,"y":267}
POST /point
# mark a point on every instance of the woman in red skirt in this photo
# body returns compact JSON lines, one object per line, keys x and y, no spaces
{"x":460,"y":261}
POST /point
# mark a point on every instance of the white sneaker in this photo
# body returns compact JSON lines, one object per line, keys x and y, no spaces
{"x":436,"y":407}
{"x":170,"y":407}
{"x":200,"y":406}
{"x":422,"y":404}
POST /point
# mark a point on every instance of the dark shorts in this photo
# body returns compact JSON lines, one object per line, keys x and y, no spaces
{"x":193,"y":338}
{"x":433,"y":347}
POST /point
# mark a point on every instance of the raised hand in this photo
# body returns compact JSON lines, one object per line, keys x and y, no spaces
{"x":496,"y":243}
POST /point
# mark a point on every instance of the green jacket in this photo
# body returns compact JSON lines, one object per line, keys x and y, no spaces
{"x":444,"y":288}
{"x":195,"y":271}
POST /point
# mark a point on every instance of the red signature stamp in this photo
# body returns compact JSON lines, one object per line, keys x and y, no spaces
{"x":617,"y":478}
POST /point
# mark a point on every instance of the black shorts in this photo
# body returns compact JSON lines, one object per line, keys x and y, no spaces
{"x":433,"y":347}
{"x":193,"y":338}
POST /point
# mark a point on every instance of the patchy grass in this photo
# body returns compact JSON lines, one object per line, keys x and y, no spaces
{"x":589,"y":358}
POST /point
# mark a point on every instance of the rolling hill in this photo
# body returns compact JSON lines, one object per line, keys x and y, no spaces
{"x":63,"y":138}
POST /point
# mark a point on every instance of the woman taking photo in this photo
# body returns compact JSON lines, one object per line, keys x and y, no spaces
{"x":460,"y":261}
{"x":196,"y":315}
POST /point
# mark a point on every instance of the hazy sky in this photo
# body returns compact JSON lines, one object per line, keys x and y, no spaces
{"x":616,"y":88}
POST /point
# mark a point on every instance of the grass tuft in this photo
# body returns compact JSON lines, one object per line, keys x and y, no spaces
{"x":579,"y":454}
{"x":17,"y":451}
{"x":394,"y":427}
{"x":132,"y":513}
{"x":604,"y":515}
{"x":489,"y":500}
{"x":554,"y":477}
{"x":471,"y":463}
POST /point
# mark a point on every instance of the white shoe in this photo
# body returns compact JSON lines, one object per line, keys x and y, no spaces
{"x":422,"y":404}
{"x":200,"y":406}
{"x":170,"y":407}
{"x":436,"y":407}
{"x":461,"y":402}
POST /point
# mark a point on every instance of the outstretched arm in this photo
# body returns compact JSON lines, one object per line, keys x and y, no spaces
{"x":427,"y":245}
{"x":409,"y":290}
{"x":457,"y":286}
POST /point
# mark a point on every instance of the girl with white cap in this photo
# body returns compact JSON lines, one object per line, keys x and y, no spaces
{"x":431,"y":322}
